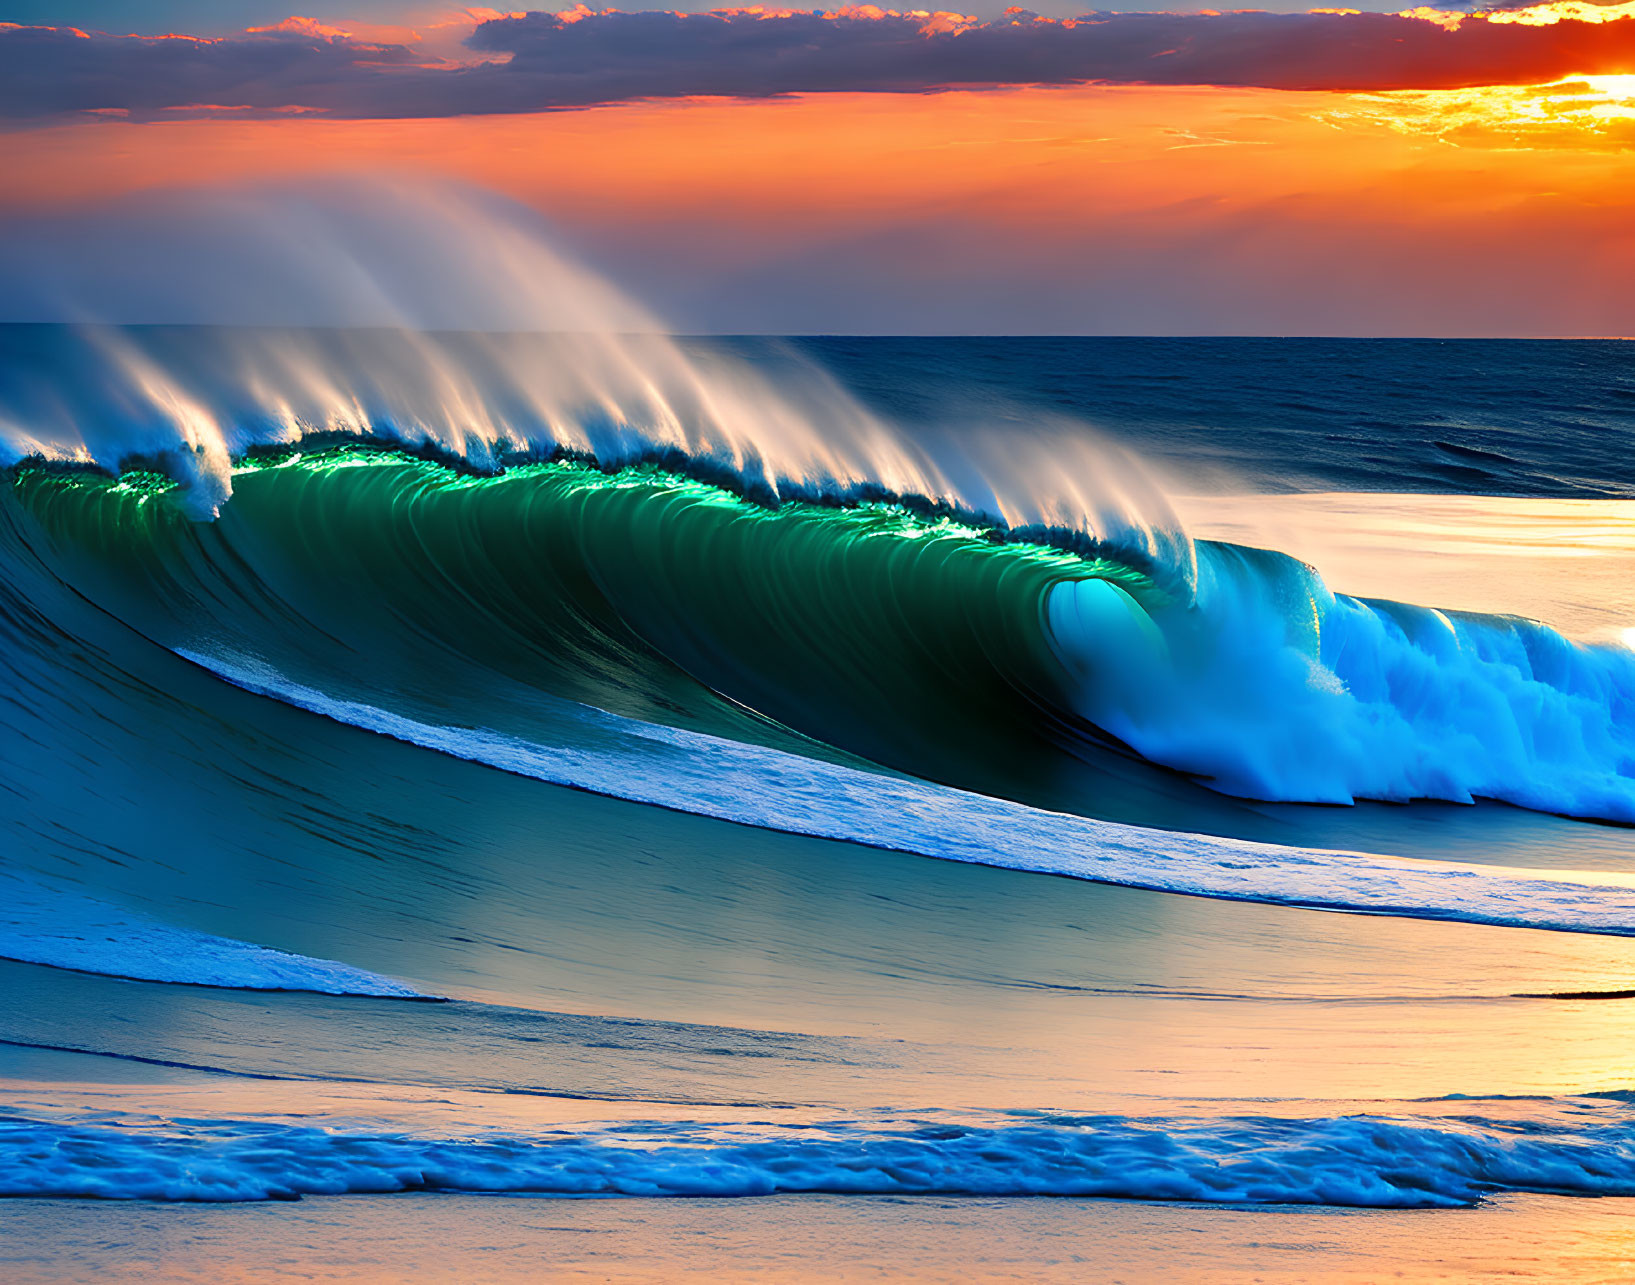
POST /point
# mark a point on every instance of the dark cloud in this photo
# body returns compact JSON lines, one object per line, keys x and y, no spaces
{"x":45,"y":71}
{"x":549,"y":61}
{"x":625,"y":55}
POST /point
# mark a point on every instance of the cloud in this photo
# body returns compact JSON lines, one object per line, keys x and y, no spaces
{"x":46,"y":71}
{"x":578,"y":58}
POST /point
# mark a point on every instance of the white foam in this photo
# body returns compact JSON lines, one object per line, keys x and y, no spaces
{"x":1367,"y":1161}
{"x":753,"y":785}
{"x":40,"y":924}
{"x":1271,"y":686}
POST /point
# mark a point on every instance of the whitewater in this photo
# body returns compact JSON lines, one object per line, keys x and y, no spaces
{"x":1362,"y":1161}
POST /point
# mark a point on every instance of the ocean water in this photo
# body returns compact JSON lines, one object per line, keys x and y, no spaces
{"x":944,"y":771}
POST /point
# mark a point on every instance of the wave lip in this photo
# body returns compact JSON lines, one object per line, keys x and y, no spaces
{"x":42,"y":925}
{"x":755,"y":785}
{"x":1361,"y":1161}
{"x":1271,"y":686}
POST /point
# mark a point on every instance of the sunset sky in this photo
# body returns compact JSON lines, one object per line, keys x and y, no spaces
{"x":1335,"y":172}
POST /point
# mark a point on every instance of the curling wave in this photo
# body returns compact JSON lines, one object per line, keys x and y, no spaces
{"x":980,"y":656}
{"x":611,"y":516}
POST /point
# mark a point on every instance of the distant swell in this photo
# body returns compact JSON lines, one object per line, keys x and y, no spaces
{"x":1364,"y":1161}
{"x":40,"y":924}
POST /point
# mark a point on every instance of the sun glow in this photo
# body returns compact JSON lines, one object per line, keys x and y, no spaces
{"x":1538,"y":15}
{"x":1596,"y":112}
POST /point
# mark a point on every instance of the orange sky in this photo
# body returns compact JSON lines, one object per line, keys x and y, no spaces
{"x":1110,"y":208}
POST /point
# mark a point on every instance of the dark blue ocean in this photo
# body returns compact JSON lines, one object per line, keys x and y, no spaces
{"x":1477,"y":416}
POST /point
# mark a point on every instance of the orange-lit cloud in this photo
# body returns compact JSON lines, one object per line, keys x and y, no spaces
{"x":438,"y":41}
{"x":299,"y":26}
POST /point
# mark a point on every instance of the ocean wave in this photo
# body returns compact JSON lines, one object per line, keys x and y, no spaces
{"x":41,"y":924}
{"x":926,"y":642}
{"x":625,"y":519}
{"x":1358,"y":1160}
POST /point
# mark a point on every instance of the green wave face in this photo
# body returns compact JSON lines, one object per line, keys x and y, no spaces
{"x":929,"y":645}
{"x":916,"y":642}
